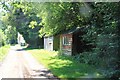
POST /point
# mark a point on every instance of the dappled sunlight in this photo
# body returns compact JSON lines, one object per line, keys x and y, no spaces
{"x":56,"y":63}
{"x":63,"y":66}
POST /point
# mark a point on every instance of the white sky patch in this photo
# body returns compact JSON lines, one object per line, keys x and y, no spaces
{"x":85,"y":10}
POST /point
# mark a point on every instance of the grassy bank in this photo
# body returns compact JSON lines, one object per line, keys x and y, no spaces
{"x":63,"y":66}
{"x":3,"y":51}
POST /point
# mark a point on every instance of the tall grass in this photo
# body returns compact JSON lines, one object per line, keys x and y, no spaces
{"x":3,"y":51}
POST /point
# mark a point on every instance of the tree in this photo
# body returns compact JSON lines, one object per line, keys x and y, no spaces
{"x":58,"y":17}
{"x":24,"y":19}
{"x":9,"y":31}
{"x":103,"y":33}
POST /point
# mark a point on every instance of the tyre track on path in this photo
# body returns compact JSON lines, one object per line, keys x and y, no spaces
{"x":21,"y":64}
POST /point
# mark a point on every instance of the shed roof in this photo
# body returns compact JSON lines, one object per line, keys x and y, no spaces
{"x":70,"y":31}
{"x":74,"y":29}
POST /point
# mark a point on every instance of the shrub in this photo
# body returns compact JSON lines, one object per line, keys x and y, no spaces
{"x":2,"y":38}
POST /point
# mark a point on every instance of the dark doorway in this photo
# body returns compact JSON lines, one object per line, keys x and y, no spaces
{"x":77,"y":44}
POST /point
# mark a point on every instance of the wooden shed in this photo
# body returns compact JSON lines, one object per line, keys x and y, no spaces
{"x":52,"y":42}
{"x":70,"y":41}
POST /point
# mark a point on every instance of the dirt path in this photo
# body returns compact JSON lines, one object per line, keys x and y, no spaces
{"x":20,"y":64}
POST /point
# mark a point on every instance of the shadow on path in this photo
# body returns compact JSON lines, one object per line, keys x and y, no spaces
{"x":45,"y":73}
{"x":21,"y":64}
{"x":19,"y":49}
{"x":33,"y":67}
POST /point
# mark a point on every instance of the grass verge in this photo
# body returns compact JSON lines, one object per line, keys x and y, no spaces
{"x":3,"y":51}
{"x":63,"y":66}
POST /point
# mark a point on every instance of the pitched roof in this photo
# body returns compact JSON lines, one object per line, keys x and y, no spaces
{"x":74,"y":29}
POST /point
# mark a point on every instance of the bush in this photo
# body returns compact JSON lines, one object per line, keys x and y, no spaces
{"x":104,"y":56}
{"x":2,"y":38}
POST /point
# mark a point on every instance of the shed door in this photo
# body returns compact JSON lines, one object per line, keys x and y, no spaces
{"x":50,"y":43}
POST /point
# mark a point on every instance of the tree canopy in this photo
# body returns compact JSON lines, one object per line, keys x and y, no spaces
{"x":20,"y":15}
{"x":61,"y":16}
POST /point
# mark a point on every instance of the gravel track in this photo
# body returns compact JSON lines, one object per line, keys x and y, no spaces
{"x":21,"y":64}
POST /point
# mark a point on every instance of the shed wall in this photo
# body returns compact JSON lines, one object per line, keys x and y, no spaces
{"x":66,"y":49}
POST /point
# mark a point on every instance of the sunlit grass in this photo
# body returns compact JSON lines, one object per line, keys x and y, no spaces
{"x":3,"y":51}
{"x":63,"y":66}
